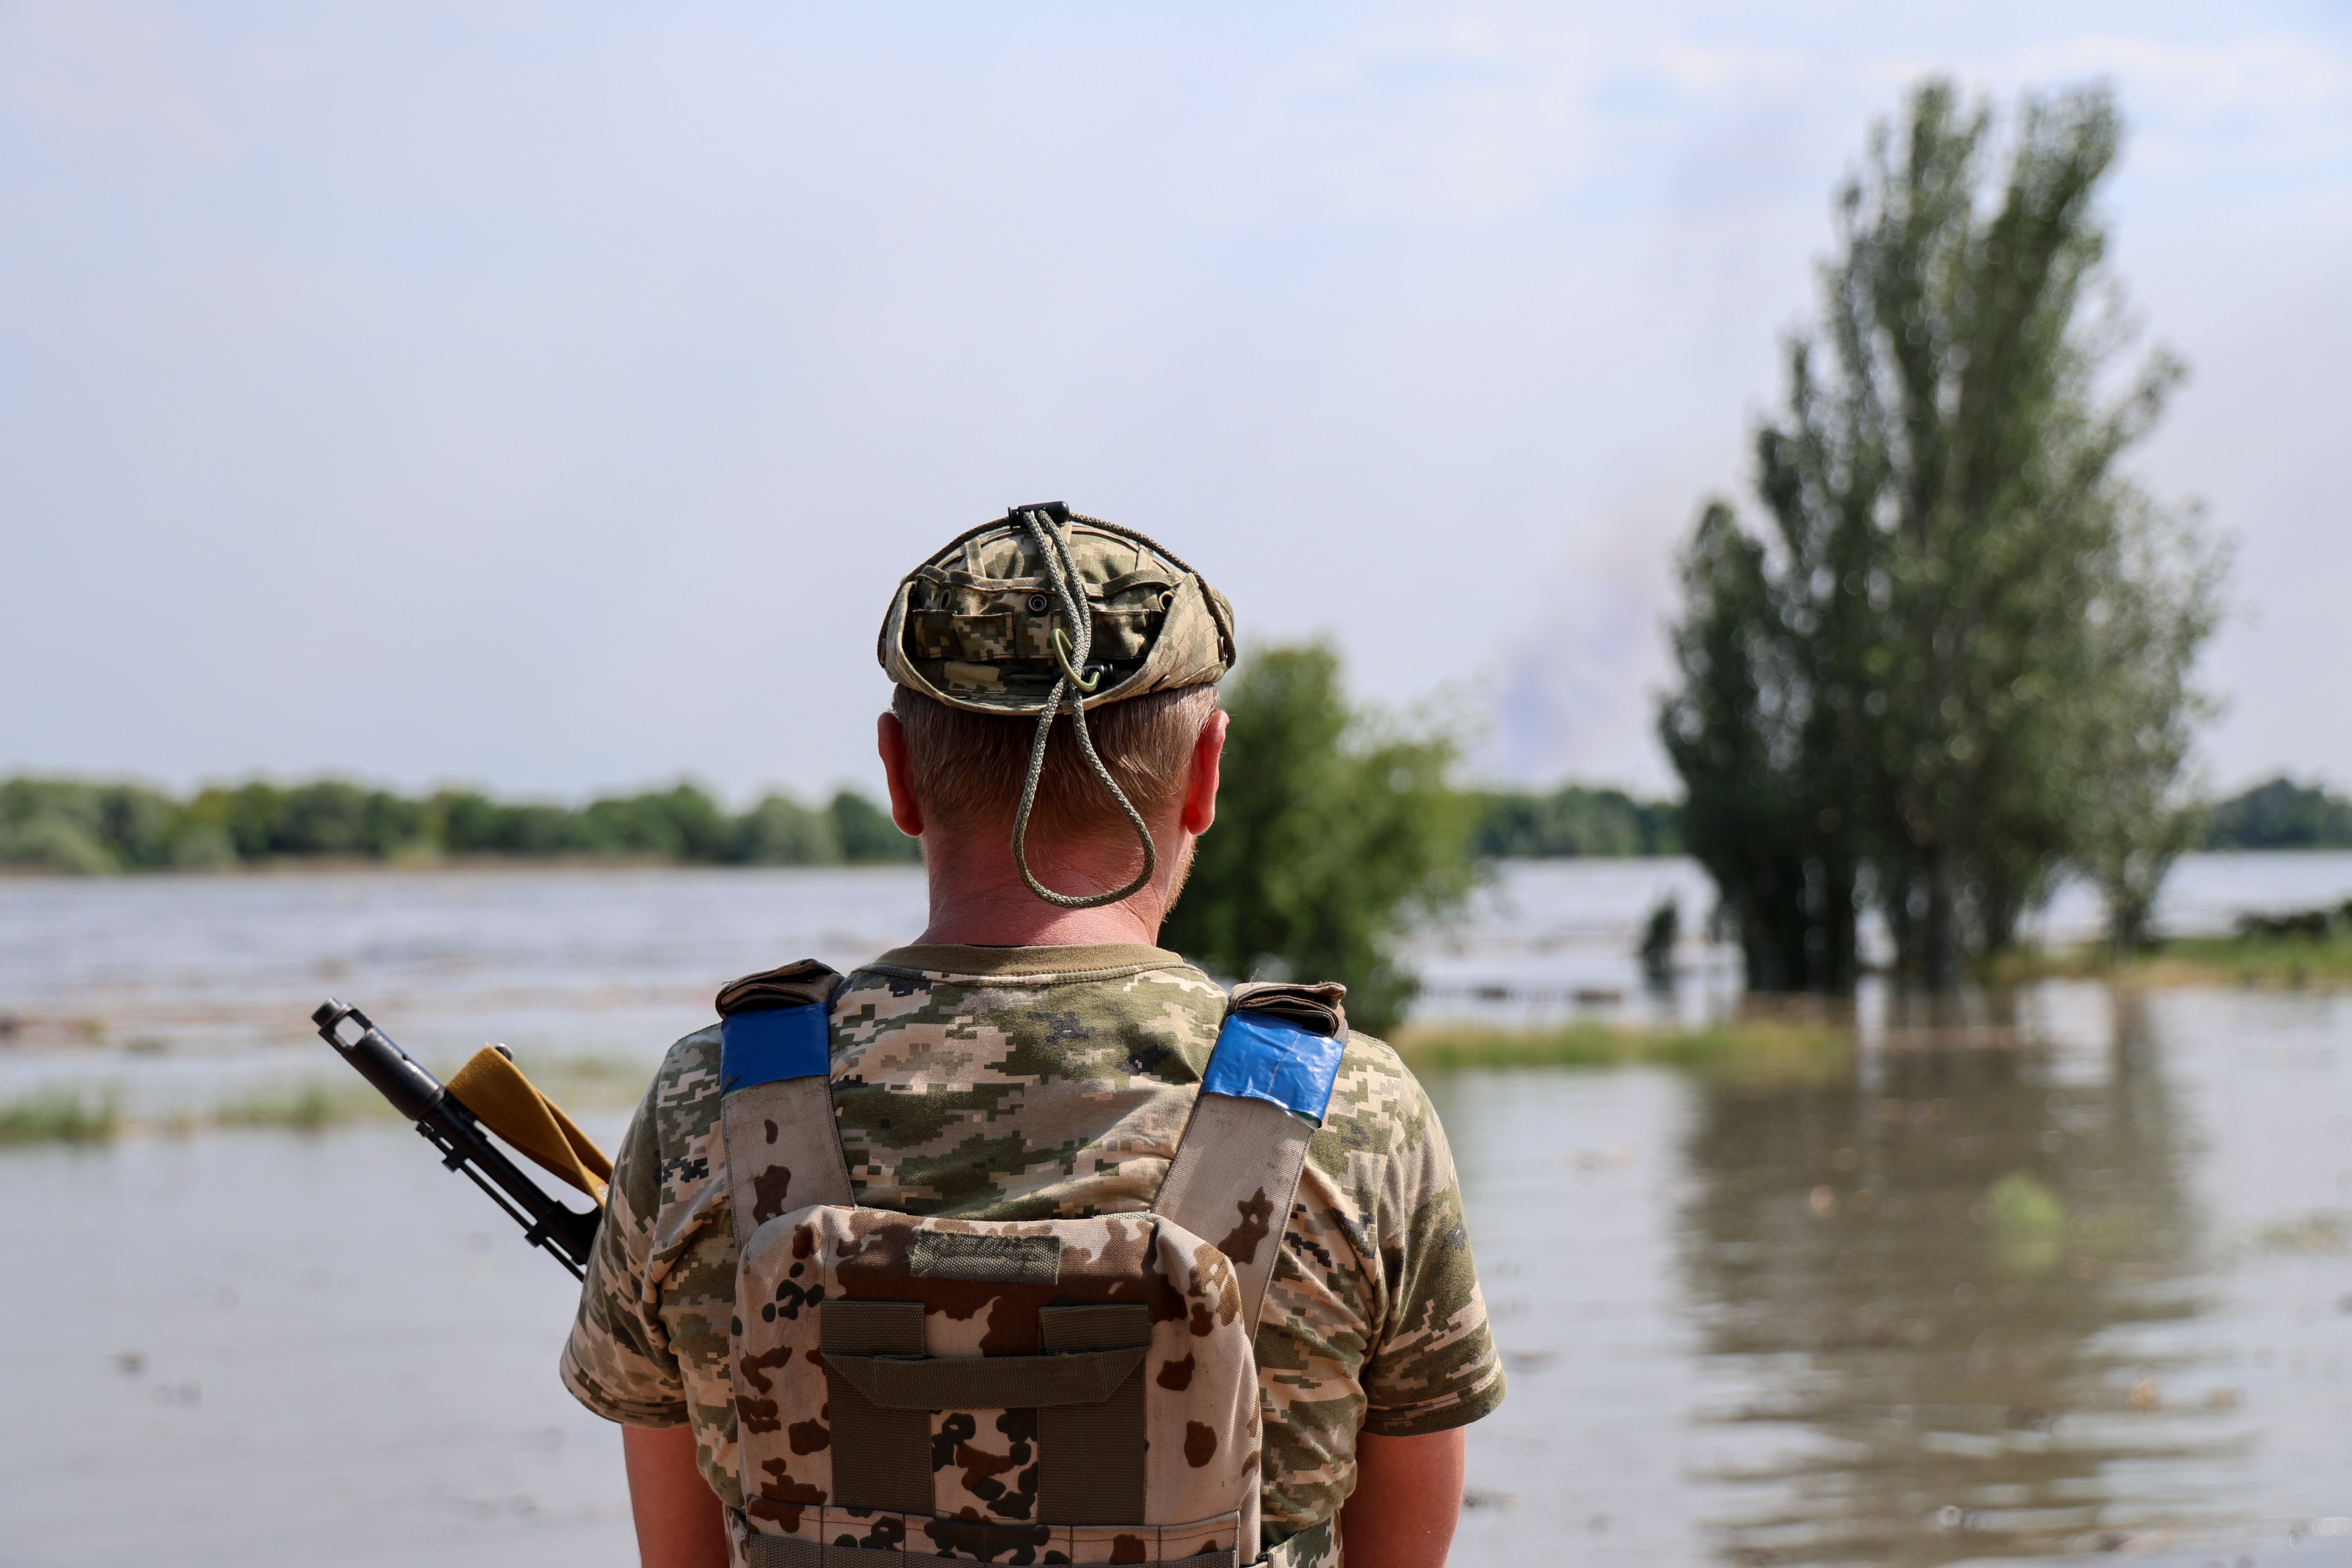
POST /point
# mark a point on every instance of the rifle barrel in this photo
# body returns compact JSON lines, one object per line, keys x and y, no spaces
{"x":447,"y":1124}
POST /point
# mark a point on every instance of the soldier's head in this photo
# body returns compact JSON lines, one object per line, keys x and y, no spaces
{"x":1056,"y":702}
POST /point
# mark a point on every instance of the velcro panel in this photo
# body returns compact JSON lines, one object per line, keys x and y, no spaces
{"x":951,"y":1255}
{"x":776,"y":1043}
{"x":881,"y":1456}
{"x":1093,"y":1455}
{"x":1262,"y":1057}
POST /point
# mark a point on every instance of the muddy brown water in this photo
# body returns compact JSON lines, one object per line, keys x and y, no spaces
{"x":2073,"y":1279}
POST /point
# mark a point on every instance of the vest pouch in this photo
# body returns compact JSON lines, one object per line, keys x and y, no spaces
{"x":1066,"y":1390}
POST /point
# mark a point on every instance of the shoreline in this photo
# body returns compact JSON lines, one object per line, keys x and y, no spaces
{"x":344,"y":865}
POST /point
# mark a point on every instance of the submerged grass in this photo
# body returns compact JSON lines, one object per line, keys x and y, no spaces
{"x":579,"y":1084}
{"x":312,"y":1108}
{"x":1774,"y":1050}
{"x":1752,"y":1049}
{"x":53,"y":1117}
{"x":2286,"y":961}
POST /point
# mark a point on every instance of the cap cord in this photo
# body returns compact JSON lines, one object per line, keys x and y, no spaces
{"x":1062,"y":569}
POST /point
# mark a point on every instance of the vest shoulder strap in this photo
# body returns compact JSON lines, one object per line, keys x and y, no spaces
{"x":1268,"y":1082}
{"x":775,"y":1111}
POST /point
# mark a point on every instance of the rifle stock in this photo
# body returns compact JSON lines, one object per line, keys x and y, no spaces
{"x":445,"y":1123}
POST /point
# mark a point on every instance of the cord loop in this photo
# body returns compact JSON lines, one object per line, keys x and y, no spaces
{"x":1070,"y":652}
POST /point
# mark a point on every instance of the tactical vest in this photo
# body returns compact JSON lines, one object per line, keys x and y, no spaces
{"x":1116,"y":1353}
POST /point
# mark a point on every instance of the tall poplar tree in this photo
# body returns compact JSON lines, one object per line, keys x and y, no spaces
{"x":1979,"y":631}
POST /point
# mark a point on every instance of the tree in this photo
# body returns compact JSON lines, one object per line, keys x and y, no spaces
{"x":865,"y":832}
{"x":2281,"y":814}
{"x":1745,"y":731}
{"x":1575,"y":820}
{"x":781,"y":831}
{"x":1333,"y":834}
{"x":1960,"y":661}
{"x":2134,"y":815}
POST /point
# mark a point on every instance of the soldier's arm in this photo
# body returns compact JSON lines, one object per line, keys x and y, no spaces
{"x":679,"y":1524}
{"x":1407,"y":1499}
{"x":619,"y":1362}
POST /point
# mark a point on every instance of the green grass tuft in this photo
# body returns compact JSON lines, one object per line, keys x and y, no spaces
{"x":312,"y":1108}
{"x":1745,"y":1049}
{"x":579,"y":1084}
{"x":54,"y":1118}
{"x":2252,"y":960}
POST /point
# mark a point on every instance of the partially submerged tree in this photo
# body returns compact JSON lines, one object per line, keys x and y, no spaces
{"x":1334,"y":834}
{"x":1742,"y":730}
{"x":1961,"y":657}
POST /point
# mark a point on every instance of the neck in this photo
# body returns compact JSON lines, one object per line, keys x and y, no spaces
{"x":978,"y":897}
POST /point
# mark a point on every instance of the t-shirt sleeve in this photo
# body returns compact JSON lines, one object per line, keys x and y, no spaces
{"x":1434,"y":1366}
{"x":618,"y":1361}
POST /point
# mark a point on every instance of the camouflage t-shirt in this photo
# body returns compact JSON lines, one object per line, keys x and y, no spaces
{"x":1045,"y":1083}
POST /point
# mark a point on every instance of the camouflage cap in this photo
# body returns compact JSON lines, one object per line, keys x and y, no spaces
{"x":974,"y":625}
{"x":993,"y":623}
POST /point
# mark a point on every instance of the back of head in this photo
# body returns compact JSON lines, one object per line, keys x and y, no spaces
{"x":1053,"y":671}
{"x":969,"y":767}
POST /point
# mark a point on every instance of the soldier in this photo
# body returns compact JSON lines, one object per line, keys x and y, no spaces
{"x":1007,"y":1096}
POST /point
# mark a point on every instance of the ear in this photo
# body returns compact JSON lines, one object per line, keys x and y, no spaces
{"x":891,"y":739}
{"x":1201,"y":787}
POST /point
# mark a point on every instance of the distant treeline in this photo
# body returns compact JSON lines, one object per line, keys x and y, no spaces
{"x":1574,"y":820}
{"x":63,"y":825}
{"x":2281,"y":814}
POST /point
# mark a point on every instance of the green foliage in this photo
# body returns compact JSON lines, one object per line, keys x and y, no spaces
{"x":58,"y":1118}
{"x":1574,"y":820}
{"x":780,"y":831}
{"x":2281,"y":814}
{"x":1334,"y":833}
{"x":1745,"y":1051}
{"x":680,"y":824}
{"x":64,"y":825}
{"x":1960,"y":660}
{"x":259,"y":820}
{"x":1759,"y":772}
{"x":55,"y":824}
{"x":865,"y":832}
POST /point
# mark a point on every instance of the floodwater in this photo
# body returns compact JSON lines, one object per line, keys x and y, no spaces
{"x":2072,"y":1278}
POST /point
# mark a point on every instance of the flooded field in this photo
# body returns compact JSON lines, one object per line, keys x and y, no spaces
{"x":2082,"y":1284}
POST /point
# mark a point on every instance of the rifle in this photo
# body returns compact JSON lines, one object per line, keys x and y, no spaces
{"x":452,"y":1127}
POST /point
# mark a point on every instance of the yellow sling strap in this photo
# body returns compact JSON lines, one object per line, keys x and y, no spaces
{"x":503,"y":1100}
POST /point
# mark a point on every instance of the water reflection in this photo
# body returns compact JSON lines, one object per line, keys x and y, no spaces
{"x":1921,"y":1272}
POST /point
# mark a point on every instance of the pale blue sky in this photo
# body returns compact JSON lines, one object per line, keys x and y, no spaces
{"x":548,"y":395}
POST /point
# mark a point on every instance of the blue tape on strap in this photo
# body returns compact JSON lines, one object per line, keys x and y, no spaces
{"x":1259,"y":1057}
{"x":777,"y":1043}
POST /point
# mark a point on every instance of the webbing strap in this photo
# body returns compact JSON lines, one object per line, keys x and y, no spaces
{"x":1093,"y":1454}
{"x":783,"y":1151}
{"x":881,"y":1456}
{"x":776,"y":1114}
{"x":982,"y":1382}
{"x":1267,"y":1084}
{"x":1231,"y":1183}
